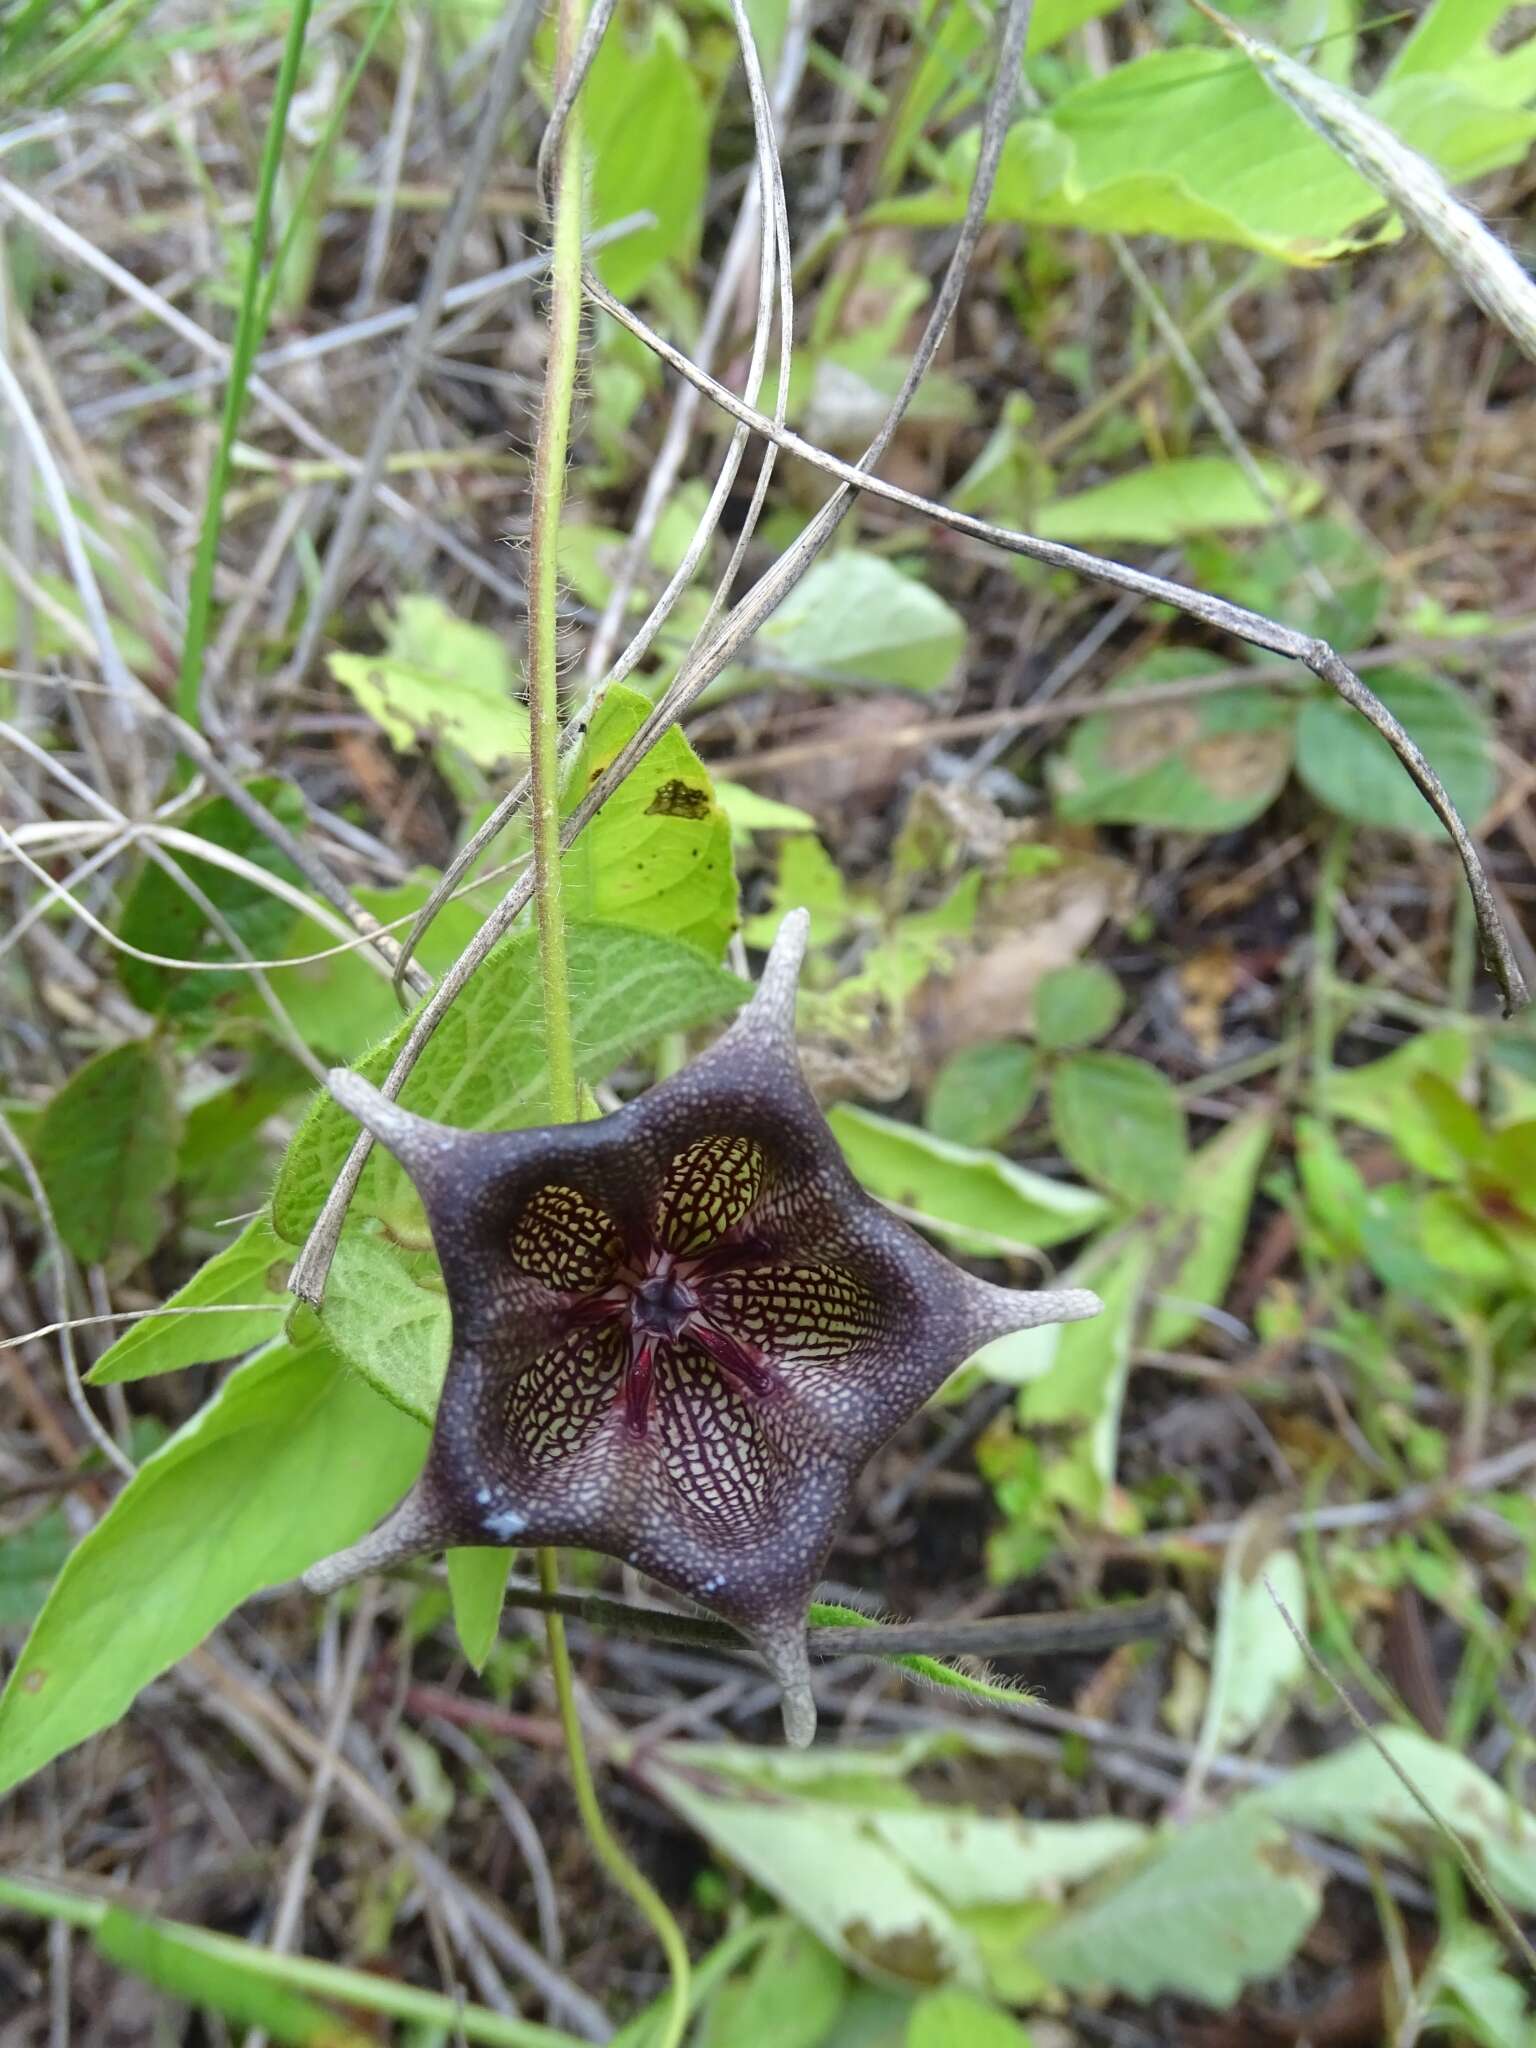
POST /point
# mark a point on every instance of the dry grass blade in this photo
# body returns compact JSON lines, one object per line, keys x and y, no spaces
{"x":102,"y":1437}
{"x":501,"y":88}
{"x":1488,"y":268}
{"x":80,"y":250}
{"x":1466,"y":1862}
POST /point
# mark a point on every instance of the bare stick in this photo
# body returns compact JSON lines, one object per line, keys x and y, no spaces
{"x":1008,"y":1635}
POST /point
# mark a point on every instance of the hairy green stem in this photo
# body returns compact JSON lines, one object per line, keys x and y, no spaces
{"x":543,"y":536}
{"x":544,"y":743}
{"x":247,"y":340}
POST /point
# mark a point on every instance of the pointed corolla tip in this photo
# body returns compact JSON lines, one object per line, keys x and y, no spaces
{"x":1004,"y":1311}
{"x":773,"y":1004}
{"x":782,"y":1649}
{"x":1071,"y":1305}
{"x":403,"y":1535}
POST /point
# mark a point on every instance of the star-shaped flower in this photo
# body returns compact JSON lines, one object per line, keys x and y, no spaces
{"x":679,"y":1332}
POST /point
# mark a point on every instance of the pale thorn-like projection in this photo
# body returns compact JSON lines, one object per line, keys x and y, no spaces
{"x":679,"y":1332}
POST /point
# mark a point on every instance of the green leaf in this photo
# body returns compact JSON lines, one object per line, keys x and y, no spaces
{"x":1207,"y":1910}
{"x":979,"y":1202}
{"x":1489,"y":2003}
{"x":846,"y":1846}
{"x":341,"y":1005}
{"x":484,"y":1067}
{"x":1405,"y":178}
{"x":1206,"y":1226}
{"x":1051,"y":21}
{"x":255,"y":1266}
{"x":1355,"y":1796}
{"x":1084,"y":1383}
{"x":1276,"y":572}
{"x":386,"y":1316}
{"x":1256,"y":1662}
{"x":948,"y":76}
{"x":1456,"y":1234}
{"x":291,"y":1459}
{"x":1454,"y":38}
{"x":647,"y":138}
{"x":972,"y":1860}
{"x":1195,"y":764}
{"x":749,"y":811}
{"x":791,"y":1996}
{"x":1076,"y":1005}
{"x":1332,"y":1185}
{"x":957,"y":2019}
{"x":806,"y":878}
{"x":1170,"y":501}
{"x":1187,"y":144}
{"x":477,"y":1584}
{"x":227,"y":1154}
{"x":982,"y":1093}
{"x":1384,"y":1096}
{"x":842,"y":1881}
{"x":160,"y":917}
{"x":29,"y":1562}
{"x":106,"y":1150}
{"x":1121,"y":1124}
{"x":1182,"y":143}
{"x":658,"y":854}
{"x":856,"y":618}
{"x":440,"y":678}
{"x":1348,"y":765}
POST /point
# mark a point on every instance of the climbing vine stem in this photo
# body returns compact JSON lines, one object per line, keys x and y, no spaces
{"x":544,"y":734}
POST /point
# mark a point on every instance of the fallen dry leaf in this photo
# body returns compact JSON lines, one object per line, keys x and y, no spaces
{"x":1029,"y":926}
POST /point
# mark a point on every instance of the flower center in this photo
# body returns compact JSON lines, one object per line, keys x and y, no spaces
{"x":661,"y":1305}
{"x":654,"y":1299}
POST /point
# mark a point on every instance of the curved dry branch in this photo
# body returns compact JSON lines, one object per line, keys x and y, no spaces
{"x":1254,"y":627}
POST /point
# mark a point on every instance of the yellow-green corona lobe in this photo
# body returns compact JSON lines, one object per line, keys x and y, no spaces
{"x":679,"y":1332}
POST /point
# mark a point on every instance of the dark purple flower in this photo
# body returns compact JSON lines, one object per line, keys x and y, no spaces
{"x":678,"y":1332}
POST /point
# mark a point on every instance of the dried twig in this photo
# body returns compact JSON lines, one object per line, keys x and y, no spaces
{"x":1254,"y":627}
{"x":1005,"y":1635}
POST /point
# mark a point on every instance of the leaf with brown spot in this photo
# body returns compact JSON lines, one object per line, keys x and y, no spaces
{"x":658,"y":854}
{"x":679,"y":799}
{"x":1195,"y":764}
{"x":912,"y":1955}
